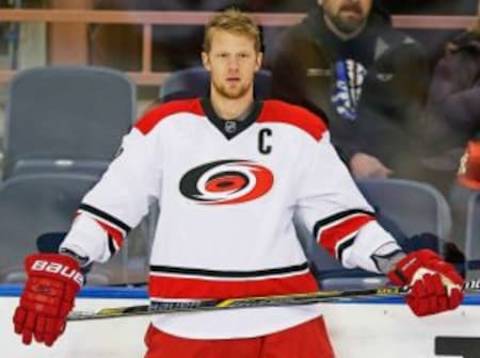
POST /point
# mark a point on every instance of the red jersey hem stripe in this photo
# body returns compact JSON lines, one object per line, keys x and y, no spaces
{"x":190,"y":288}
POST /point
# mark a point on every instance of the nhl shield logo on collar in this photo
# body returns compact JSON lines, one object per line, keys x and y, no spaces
{"x":230,"y":127}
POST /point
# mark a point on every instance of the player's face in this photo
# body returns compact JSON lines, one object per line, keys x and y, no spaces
{"x":347,"y":15}
{"x":232,"y":62}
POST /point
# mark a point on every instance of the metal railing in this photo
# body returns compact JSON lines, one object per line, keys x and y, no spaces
{"x":147,"y":19}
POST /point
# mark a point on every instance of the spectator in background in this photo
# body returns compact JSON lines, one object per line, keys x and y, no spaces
{"x":371,"y":80}
{"x":453,"y":122}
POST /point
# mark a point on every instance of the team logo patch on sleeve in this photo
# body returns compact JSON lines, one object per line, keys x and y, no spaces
{"x":226,"y":182}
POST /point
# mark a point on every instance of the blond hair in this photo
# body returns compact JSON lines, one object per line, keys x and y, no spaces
{"x":234,"y":21}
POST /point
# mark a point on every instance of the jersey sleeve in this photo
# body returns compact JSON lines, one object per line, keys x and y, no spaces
{"x":119,"y":200}
{"x":333,"y":210}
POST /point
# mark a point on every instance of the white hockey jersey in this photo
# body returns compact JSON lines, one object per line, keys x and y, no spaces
{"x":228,"y":192}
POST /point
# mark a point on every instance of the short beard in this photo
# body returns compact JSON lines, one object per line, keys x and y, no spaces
{"x":346,"y":27}
{"x":224,"y":92}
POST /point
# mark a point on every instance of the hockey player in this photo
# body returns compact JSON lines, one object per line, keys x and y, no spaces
{"x":230,"y":174}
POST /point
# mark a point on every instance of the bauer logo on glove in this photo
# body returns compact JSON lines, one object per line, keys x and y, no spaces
{"x":53,"y":267}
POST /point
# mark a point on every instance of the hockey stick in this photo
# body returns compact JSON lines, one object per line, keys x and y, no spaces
{"x":249,"y":302}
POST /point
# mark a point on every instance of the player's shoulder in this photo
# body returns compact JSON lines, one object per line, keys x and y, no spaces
{"x":157,"y":113}
{"x":281,"y":112}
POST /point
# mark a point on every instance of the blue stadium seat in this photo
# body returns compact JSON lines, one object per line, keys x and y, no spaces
{"x":66,"y":118}
{"x":195,"y":82}
{"x":415,"y":207}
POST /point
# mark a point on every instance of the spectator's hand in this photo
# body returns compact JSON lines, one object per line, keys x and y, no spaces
{"x":435,"y":285}
{"x":52,"y":284}
{"x":366,"y":166}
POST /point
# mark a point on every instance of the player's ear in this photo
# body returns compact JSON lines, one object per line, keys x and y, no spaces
{"x":259,"y":61}
{"x":205,"y":60}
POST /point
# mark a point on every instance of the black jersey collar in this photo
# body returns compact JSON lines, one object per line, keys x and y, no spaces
{"x":231,"y":128}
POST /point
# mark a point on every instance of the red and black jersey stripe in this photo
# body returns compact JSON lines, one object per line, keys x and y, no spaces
{"x":338,"y":232}
{"x":116,"y":229}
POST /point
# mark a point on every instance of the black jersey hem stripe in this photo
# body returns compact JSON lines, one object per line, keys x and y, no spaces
{"x":106,"y":217}
{"x":341,"y":215}
{"x":343,"y":246}
{"x":229,"y":274}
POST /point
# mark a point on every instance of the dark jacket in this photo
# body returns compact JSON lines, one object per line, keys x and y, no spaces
{"x":454,"y":97}
{"x":453,"y":108}
{"x":379,"y":116}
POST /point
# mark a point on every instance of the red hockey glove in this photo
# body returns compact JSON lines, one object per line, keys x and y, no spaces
{"x":52,"y":283}
{"x":435,"y":285}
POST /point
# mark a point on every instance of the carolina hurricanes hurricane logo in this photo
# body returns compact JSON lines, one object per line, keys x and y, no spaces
{"x":226,"y":182}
